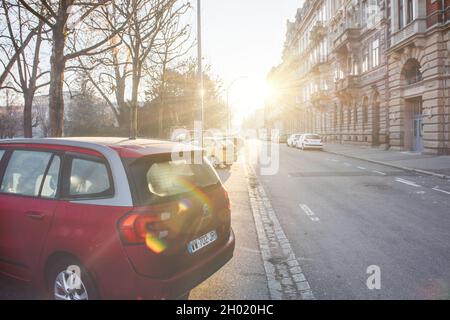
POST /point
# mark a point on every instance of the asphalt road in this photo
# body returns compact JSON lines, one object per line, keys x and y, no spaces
{"x":343,"y":215}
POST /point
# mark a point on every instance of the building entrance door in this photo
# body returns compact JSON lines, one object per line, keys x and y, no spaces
{"x":417,"y":142}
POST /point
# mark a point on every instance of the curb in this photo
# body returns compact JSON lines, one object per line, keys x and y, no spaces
{"x":429,"y":173}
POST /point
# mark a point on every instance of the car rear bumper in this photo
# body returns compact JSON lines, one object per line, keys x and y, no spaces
{"x":183,"y":282}
{"x":313,"y":146}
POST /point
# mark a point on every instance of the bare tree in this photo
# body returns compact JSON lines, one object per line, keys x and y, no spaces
{"x":152,"y":22}
{"x":68,"y":18}
{"x":9,"y":57}
{"x":27,"y":71}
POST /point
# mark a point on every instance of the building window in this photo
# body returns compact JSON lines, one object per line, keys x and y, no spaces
{"x":411,"y":72}
{"x":376,"y":53}
{"x":355,"y":68}
{"x":365,"y":61}
{"x":365,"y":111}
{"x":409,"y":11}
{"x":401,"y":17}
{"x":349,"y":117}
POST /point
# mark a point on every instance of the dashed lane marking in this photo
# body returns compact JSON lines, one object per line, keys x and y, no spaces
{"x":440,"y":190}
{"x":362,"y":168}
{"x":407,"y":182}
{"x":380,"y":173}
{"x":347,"y":164}
{"x":309,"y":213}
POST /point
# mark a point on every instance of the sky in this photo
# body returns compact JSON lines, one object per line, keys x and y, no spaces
{"x":244,"y":39}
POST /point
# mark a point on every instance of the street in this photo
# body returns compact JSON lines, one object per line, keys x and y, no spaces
{"x":342,"y":216}
{"x":312,"y":230}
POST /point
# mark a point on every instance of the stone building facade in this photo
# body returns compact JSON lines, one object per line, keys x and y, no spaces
{"x":368,"y":72}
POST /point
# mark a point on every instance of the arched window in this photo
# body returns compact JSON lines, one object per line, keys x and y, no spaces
{"x":411,"y":72}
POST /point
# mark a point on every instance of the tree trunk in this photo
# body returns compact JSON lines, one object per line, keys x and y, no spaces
{"x":27,"y":115}
{"x":134,"y":99}
{"x":56,"y":99}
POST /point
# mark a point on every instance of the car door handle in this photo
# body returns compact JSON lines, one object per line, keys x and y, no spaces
{"x":35,"y":215}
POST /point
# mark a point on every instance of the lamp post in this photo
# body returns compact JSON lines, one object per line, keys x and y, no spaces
{"x":200,"y":112}
{"x":228,"y":100}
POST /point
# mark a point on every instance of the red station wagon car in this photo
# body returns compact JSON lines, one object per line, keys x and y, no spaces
{"x":110,"y":218}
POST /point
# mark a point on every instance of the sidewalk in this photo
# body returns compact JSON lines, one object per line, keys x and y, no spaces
{"x":426,"y":164}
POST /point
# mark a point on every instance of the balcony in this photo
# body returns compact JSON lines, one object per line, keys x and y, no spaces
{"x":416,"y":27}
{"x":348,"y":83}
{"x":344,"y":36}
{"x":347,"y":88}
{"x":318,"y":63}
{"x":321,"y":98}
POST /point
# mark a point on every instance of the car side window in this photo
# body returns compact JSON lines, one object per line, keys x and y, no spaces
{"x":25,"y":172}
{"x":89,"y":178}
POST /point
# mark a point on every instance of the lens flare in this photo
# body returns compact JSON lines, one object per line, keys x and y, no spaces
{"x":183,"y":206}
{"x":197,"y":193}
{"x":156,"y":245}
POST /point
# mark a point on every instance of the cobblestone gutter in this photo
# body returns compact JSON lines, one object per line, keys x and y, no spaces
{"x":285,"y":277}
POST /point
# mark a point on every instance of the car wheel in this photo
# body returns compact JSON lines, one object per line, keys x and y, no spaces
{"x":64,"y":282}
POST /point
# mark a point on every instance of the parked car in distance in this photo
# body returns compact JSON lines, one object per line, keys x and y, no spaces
{"x":282,"y":138}
{"x":309,"y":141}
{"x":110,"y":218}
{"x":219,"y":151}
{"x":292,"y":140}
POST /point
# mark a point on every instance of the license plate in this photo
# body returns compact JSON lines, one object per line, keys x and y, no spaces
{"x":203,"y":241}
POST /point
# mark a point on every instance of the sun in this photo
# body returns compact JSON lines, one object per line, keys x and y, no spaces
{"x":249,"y":95}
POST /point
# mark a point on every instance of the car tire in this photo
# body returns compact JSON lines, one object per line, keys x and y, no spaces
{"x":59,"y":269}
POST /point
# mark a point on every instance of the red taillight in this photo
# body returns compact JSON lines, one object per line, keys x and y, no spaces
{"x":135,"y":227}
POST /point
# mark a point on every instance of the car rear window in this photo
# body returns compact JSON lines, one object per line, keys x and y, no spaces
{"x":313,"y":137}
{"x":89,"y":179}
{"x":163,"y":179}
{"x":1,"y":154}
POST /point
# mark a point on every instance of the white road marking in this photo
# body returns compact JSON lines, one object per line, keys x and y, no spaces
{"x":309,"y":213}
{"x":347,"y":164}
{"x":407,"y":182}
{"x":361,"y":168}
{"x":379,"y":172}
{"x":334,"y":160}
{"x":440,"y":190}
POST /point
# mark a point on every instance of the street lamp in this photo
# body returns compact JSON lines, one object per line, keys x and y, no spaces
{"x":228,"y":100}
{"x":200,"y":111}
